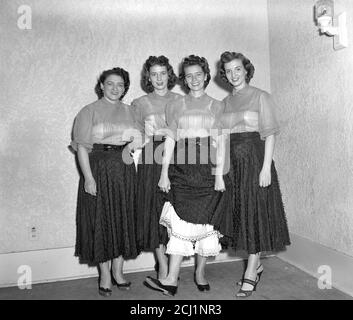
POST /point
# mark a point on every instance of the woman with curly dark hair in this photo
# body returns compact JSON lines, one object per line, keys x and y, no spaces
{"x":158,"y":78}
{"x":260,"y":219}
{"x":196,"y":211}
{"x":105,"y":221}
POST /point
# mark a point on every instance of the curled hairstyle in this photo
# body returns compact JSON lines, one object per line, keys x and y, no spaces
{"x":193,"y":60}
{"x":230,"y":56}
{"x":160,"y":61}
{"x":105,"y":74}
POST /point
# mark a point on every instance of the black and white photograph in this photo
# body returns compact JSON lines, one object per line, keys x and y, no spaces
{"x":176,"y":156}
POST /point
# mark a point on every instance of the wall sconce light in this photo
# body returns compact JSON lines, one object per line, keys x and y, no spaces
{"x":330,"y":24}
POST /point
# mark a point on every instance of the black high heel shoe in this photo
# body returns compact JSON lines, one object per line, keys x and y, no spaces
{"x":155,"y":284}
{"x":202,"y":287}
{"x":258,"y":275}
{"x":247,"y":293}
{"x":105,"y":292}
{"x":121,"y":286}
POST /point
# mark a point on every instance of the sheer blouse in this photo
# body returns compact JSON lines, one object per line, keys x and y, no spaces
{"x":190,"y":117}
{"x":149,"y":112}
{"x":250,"y":110}
{"x":103,"y":122}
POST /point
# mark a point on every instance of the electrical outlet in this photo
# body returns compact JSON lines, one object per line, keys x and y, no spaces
{"x":33,"y":233}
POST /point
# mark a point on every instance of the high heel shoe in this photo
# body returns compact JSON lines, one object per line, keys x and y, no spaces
{"x":258,"y":275}
{"x":105,"y":292}
{"x":247,"y":293}
{"x":203,"y":287}
{"x":121,"y":286}
{"x":155,"y":284}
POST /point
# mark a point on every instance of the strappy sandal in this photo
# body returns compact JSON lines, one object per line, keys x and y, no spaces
{"x":247,"y":293}
{"x":258,"y":277}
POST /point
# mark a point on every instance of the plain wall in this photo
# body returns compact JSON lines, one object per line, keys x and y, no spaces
{"x":48,"y":74}
{"x":312,"y":84}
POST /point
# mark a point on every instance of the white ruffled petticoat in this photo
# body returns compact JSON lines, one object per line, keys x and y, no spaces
{"x":187,"y":238}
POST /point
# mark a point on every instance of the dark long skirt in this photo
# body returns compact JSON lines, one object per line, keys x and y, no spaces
{"x":105,"y":224}
{"x":259,"y":219}
{"x":192,"y":191}
{"x":150,"y":199}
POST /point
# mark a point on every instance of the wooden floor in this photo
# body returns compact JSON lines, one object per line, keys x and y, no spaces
{"x":280,"y":281}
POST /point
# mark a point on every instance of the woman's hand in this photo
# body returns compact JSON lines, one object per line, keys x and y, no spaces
{"x":265,"y":174}
{"x":219,"y":184}
{"x":90,"y":186}
{"x":164,"y":183}
{"x":265,"y":177}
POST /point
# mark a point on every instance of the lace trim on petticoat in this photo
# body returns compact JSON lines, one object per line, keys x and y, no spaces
{"x":193,"y":239}
{"x":209,"y":254}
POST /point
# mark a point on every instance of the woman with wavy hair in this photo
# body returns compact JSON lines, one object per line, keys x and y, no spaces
{"x":259,"y":215}
{"x":158,"y":78}
{"x":105,"y":218}
{"x":196,"y":212}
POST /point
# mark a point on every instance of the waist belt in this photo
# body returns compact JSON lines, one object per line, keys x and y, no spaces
{"x":108,"y":147}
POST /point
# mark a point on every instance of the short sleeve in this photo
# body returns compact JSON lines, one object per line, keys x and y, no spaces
{"x":268,"y":124}
{"x":82,"y":131}
{"x":138,"y":115}
{"x":171,"y":119}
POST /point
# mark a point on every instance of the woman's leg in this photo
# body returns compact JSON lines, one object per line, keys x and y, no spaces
{"x":175,"y":261}
{"x":105,"y":277}
{"x":200,"y":270}
{"x":117,"y":270}
{"x":162,"y":262}
{"x":251,"y":270}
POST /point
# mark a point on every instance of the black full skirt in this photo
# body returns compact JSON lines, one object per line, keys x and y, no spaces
{"x":259,"y":216}
{"x":192,"y":191}
{"x":106,"y":223}
{"x":150,"y":199}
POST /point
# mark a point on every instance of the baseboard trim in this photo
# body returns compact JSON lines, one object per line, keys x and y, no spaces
{"x":308,"y":256}
{"x":51,"y":265}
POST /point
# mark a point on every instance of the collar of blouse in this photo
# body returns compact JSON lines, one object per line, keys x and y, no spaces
{"x":242,"y":91}
{"x":190,"y":97}
{"x":157,"y":96}
{"x":108,"y":103}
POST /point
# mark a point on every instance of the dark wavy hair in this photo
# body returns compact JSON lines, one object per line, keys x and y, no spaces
{"x":193,"y":60}
{"x":160,"y":61}
{"x":105,"y":74}
{"x":230,"y":56}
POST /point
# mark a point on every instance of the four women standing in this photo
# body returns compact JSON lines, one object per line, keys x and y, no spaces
{"x":119,"y":214}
